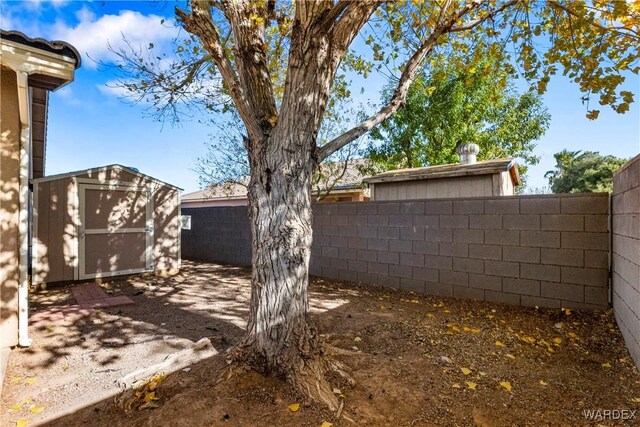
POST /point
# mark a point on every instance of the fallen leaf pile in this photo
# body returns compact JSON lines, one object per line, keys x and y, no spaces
{"x":144,"y":397}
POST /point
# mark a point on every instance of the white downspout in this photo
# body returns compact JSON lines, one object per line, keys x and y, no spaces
{"x":23,"y":216}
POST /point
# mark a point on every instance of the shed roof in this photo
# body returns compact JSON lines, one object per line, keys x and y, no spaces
{"x":103,"y":168}
{"x":485,"y":167}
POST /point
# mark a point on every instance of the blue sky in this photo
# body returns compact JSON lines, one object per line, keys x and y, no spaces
{"x":90,"y":126}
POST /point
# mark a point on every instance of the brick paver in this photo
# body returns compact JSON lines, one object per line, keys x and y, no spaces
{"x":90,"y":295}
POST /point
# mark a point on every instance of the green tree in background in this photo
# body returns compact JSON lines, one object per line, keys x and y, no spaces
{"x":583,"y":172}
{"x":451,"y":104}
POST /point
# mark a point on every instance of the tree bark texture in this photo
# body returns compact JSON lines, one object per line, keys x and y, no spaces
{"x":283,"y":155}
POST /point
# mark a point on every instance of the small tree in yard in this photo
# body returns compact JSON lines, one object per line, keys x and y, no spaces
{"x":583,"y":172}
{"x":278,"y":64}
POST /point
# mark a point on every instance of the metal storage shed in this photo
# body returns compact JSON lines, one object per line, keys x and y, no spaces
{"x":102,"y":222}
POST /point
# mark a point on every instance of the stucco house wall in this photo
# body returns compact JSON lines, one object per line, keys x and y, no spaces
{"x":9,"y":181}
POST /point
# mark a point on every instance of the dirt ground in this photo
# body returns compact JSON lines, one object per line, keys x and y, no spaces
{"x":416,"y":360}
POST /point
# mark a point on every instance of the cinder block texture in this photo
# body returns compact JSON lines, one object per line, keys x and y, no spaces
{"x":530,"y":250}
{"x":625,"y":259}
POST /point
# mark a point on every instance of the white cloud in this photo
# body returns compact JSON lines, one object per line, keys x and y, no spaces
{"x":68,"y":95}
{"x":92,"y":35}
{"x":36,"y":4}
{"x":113,"y":88}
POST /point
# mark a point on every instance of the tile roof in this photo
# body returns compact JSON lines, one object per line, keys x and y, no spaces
{"x":57,"y":47}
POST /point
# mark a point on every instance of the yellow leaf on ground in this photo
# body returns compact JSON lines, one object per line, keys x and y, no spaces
{"x":511,"y":356}
{"x":471,"y":385}
{"x":456,"y":385}
{"x":446,"y":311}
{"x":430,"y":315}
{"x":465,"y":371}
{"x":326,"y":424}
{"x":567,"y":311}
{"x":148,"y":397}
{"x":15,"y":380}
{"x":455,"y":328}
{"x":30,"y":381}
{"x":490,"y":316}
{"x":22,"y":423}
{"x":482,"y":374}
{"x":506,"y":385}
{"x":573,"y":335}
{"x":557,"y":340}
{"x":475,"y":330}
{"x":294,"y":407}
{"x":36,"y":409}
{"x":357,"y":339}
{"x":415,"y":301}
{"x":16,"y":407}
{"x":543,"y":383}
{"x":635,"y":399}
{"x":606,"y":365}
{"x":500,"y":344}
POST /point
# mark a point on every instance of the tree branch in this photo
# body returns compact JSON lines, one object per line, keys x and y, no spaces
{"x":478,"y":21}
{"x":406,"y":78}
{"x":618,"y":30}
{"x":352,"y":18}
{"x":200,"y":23}
{"x":248,"y":21}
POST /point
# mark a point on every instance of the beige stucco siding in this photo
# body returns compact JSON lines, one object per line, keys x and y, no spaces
{"x":56,"y":248}
{"x":166,"y":230}
{"x":9,"y":202}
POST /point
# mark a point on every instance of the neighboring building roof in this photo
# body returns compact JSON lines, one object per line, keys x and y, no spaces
{"x":227,"y":191}
{"x":57,"y":47}
{"x":131,"y":170}
{"x":446,"y":171}
{"x":350,"y":180}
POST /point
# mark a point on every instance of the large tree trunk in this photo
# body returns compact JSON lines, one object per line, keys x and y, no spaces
{"x":280,"y":339}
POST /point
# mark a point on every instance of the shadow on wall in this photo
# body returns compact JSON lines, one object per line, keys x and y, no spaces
{"x":110,"y":234}
{"x":9,"y":248}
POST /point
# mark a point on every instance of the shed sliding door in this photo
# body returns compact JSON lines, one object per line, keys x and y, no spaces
{"x":116,"y":230}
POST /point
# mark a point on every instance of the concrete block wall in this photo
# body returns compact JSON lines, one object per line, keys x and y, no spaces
{"x":549,"y":251}
{"x":220,"y":234}
{"x":625,"y":257}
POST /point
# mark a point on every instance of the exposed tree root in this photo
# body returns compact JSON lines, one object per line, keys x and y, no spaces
{"x":307,"y":375}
